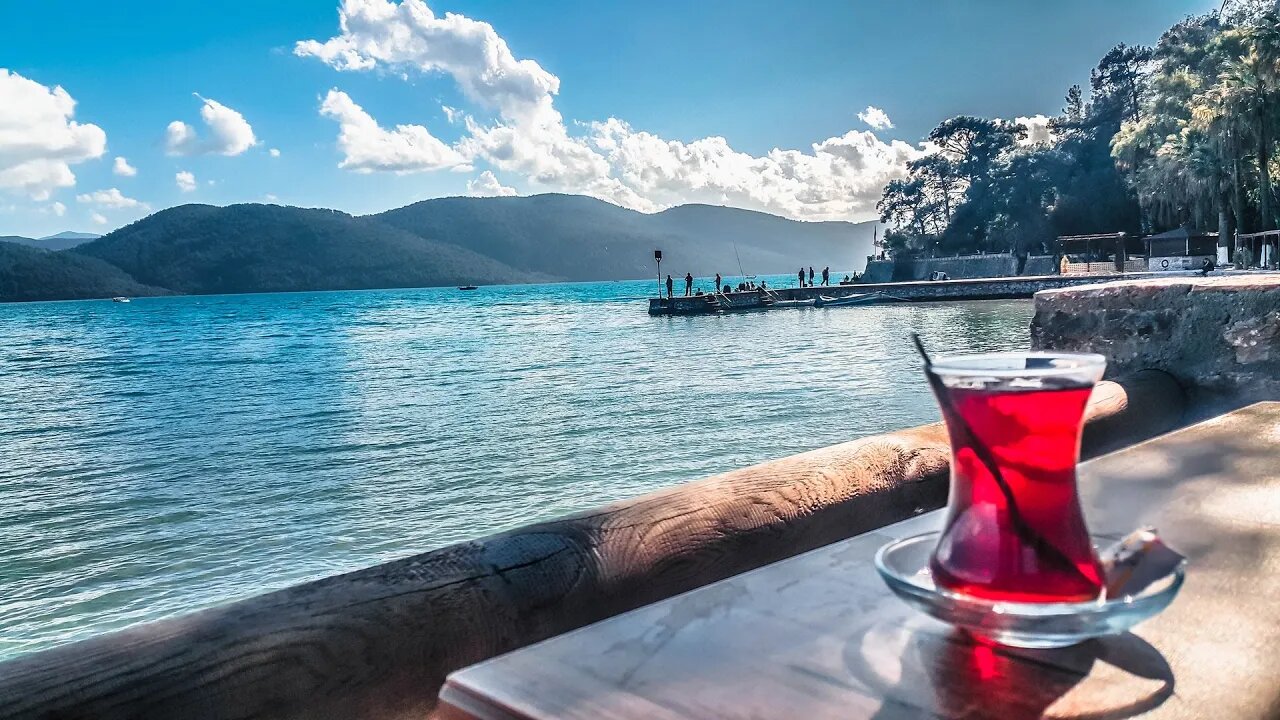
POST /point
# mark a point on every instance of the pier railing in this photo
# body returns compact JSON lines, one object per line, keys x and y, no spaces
{"x":377,"y":643}
{"x":1108,"y":267}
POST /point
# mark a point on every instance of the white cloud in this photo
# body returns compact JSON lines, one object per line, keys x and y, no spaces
{"x":452,"y":114}
{"x":487,"y":185}
{"x":185,"y":180}
{"x":409,"y":35}
{"x":229,"y":133}
{"x":38,"y":139}
{"x":838,"y":178}
{"x":58,"y":209}
{"x":111,"y":198}
{"x":367,"y":147}
{"x":273,"y":152}
{"x":875,"y":118}
{"x":180,"y":139}
{"x":1038,"y":130}
{"x":269,"y":197}
{"x":122,"y":168}
{"x":98,"y":219}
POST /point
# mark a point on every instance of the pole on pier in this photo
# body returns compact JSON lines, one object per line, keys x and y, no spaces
{"x":657,"y":258}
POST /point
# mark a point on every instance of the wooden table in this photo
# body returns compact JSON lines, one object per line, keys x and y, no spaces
{"x":819,"y":635}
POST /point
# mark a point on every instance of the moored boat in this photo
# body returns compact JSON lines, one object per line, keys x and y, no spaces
{"x":828,"y":301}
{"x":811,"y":302}
{"x":860,"y":299}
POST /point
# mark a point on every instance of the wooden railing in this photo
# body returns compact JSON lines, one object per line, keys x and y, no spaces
{"x":1106,"y":267}
{"x":378,"y":643}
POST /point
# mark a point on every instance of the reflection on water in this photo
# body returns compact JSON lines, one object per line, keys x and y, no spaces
{"x":173,"y":453}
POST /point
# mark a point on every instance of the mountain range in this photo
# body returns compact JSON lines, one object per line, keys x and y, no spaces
{"x":199,"y":249}
{"x":62,"y":241}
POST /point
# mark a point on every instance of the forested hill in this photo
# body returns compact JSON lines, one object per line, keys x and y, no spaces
{"x":28,"y":273}
{"x":581,"y":238}
{"x":268,"y":248}
{"x":61,"y":241}
{"x":194,"y":249}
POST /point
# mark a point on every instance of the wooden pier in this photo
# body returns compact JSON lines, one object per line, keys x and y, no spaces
{"x":1002,"y":288}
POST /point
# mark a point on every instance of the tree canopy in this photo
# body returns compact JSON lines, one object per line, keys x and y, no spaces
{"x":1180,"y":134}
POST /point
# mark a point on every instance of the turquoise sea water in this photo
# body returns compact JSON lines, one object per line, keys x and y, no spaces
{"x":174,"y":453}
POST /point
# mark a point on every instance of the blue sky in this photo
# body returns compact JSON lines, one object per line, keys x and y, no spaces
{"x":523,"y":92}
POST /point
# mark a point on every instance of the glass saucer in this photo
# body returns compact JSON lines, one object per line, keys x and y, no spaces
{"x":904,"y":565}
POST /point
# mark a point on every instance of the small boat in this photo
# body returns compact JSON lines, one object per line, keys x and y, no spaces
{"x":120,"y":299}
{"x":466,"y":287}
{"x":861,"y":299}
{"x":795,"y":303}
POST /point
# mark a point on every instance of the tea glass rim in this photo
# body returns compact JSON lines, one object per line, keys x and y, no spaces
{"x":972,"y":364}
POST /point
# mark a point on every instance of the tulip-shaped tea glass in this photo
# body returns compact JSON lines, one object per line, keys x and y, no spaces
{"x":1014,"y":529}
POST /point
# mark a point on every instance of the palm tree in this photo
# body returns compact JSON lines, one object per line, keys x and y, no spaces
{"x":1266,"y":40}
{"x":1245,"y":90}
{"x":1265,"y":36}
{"x":1225,"y":145}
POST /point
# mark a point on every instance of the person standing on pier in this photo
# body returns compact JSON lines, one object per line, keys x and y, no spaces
{"x":810,"y":276}
{"x":669,"y":287}
{"x":801,"y":276}
{"x":688,"y":284}
{"x":826,"y":275}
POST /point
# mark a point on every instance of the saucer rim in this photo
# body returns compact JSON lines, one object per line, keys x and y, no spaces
{"x":1165,"y":586}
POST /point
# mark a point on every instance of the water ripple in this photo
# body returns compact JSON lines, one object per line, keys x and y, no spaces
{"x":175,"y":453}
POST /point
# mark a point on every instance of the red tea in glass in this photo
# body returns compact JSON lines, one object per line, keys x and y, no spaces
{"x":1014,"y":529}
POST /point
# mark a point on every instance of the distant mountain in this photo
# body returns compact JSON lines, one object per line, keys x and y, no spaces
{"x":581,"y":238}
{"x":28,"y":273}
{"x":72,"y":235}
{"x":200,"y":249}
{"x":61,"y":241}
{"x":269,"y":248}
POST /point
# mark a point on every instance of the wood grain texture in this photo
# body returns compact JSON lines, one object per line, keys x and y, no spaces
{"x":378,"y":643}
{"x":818,"y":636}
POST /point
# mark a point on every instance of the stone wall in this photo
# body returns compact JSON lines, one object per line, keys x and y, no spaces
{"x":1003,"y":288}
{"x":965,"y":266}
{"x":1218,"y":336}
{"x":1041,"y":265}
{"x":878,"y":271}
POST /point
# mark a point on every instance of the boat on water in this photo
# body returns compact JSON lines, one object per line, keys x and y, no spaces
{"x":466,"y":287}
{"x":120,"y":299}
{"x":859,"y":299}
{"x":812,"y":302}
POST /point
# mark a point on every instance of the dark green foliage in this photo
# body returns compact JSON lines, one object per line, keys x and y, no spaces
{"x":28,"y":273}
{"x":950,"y":201}
{"x":1181,"y":134}
{"x":1089,"y":193}
{"x":1117,"y":85}
{"x":1200,"y":150}
{"x":269,"y":248}
{"x":974,"y":145}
